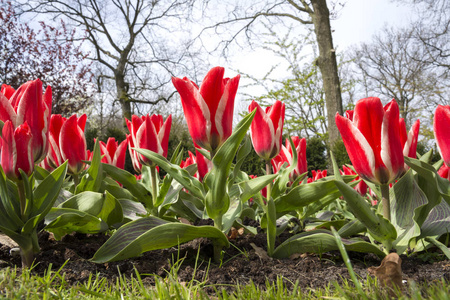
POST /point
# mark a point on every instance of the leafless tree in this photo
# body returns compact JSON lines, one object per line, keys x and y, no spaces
{"x":390,"y":68}
{"x":134,"y":40}
{"x":246,"y":14}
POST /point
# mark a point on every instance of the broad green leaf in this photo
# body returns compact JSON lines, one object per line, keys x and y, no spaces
{"x":326,"y":225}
{"x":304,"y":194}
{"x":152,"y":233}
{"x":250,"y":187}
{"x":441,"y":246}
{"x":130,"y":183}
{"x":242,"y":153}
{"x":104,"y":206}
{"x":352,"y":228}
{"x":321,"y":241}
{"x":231,"y":215}
{"x":120,"y":193}
{"x":407,"y":199}
{"x":438,"y":221}
{"x":48,"y":190}
{"x":92,"y":180}
{"x":132,"y":210}
{"x":271,"y":216}
{"x":189,"y":182}
{"x":429,"y":173}
{"x":10,"y":208}
{"x":380,"y":228}
{"x":62,"y":221}
{"x":217,"y":198}
{"x":40,"y":173}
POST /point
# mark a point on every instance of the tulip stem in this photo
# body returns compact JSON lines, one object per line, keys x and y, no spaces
{"x":385,"y":201}
{"x":22,"y":199}
{"x":76,"y":180}
{"x":268,"y":172}
{"x":154,"y":184}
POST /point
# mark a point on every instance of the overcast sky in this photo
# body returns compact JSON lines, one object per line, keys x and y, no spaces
{"x":357,"y":21}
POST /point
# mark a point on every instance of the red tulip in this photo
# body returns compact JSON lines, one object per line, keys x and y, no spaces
{"x":286,"y":156}
{"x":16,"y":150}
{"x":113,"y":153}
{"x":29,"y":104}
{"x":409,"y":139}
{"x":151,"y":133}
{"x":267,"y":129}
{"x":442,"y":132}
{"x":444,"y":172}
{"x":203,"y":164}
{"x":137,"y":166}
{"x":372,"y":140}
{"x":361,"y":187}
{"x":67,"y":142}
{"x":316,"y":175}
{"x":209,"y":110}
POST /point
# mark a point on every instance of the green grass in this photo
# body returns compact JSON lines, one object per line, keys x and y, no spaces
{"x":27,"y":285}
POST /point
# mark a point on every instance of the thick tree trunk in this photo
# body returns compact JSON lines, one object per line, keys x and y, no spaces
{"x":328,"y":67}
{"x":122,"y":95}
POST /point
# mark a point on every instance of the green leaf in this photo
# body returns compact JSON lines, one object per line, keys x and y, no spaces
{"x":407,"y":200}
{"x":437,"y":222}
{"x":92,"y":180}
{"x":152,"y":233}
{"x":132,"y":210}
{"x":321,"y":241}
{"x":130,"y":183}
{"x":441,"y":246}
{"x":104,"y":206}
{"x":429,"y":173}
{"x":380,"y":228}
{"x":48,"y":190}
{"x":189,"y":182}
{"x":352,"y":228}
{"x":217,"y":198}
{"x":10,"y":211}
{"x":304,"y":194}
{"x":250,"y":187}
{"x":62,"y":221}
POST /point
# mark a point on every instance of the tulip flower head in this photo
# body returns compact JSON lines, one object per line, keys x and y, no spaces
{"x":267,"y":129}
{"x":316,"y":175}
{"x":208,"y":109}
{"x":372,"y":140}
{"x":442,"y":132}
{"x":151,"y":133}
{"x":114,"y":153}
{"x":286,"y":156}
{"x":68,"y":142}
{"x":29,"y":104}
{"x":16,"y":150}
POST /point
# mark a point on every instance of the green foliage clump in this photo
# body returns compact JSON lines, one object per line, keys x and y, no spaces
{"x":316,"y":154}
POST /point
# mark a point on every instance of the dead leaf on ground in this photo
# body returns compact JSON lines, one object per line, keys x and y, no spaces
{"x":389,"y":273}
{"x":260,"y":252}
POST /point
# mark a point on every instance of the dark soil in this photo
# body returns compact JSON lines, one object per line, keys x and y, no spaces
{"x":240,"y":264}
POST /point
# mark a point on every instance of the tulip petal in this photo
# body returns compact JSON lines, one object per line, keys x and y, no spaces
{"x":73,"y":144}
{"x":358,"y":148}
{"x":225,"y":109}
{"x":441,"y":131}
{"x":410,"y":147}
{"x":391,"y":148}
{"x":196,"y":111}
{"x":6,"y":110}
{"x":120,"y":154}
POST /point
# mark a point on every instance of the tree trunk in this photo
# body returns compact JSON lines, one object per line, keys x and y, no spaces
{"x":328,"y":67}
{"x":122,"y":95}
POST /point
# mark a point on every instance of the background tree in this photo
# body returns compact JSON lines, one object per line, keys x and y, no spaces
{"x":132,"y":40}
{"x":47,"y":53}
{"x":390,"y":68}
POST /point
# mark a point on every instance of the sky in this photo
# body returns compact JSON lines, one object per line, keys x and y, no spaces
{"x":357,"y":22}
